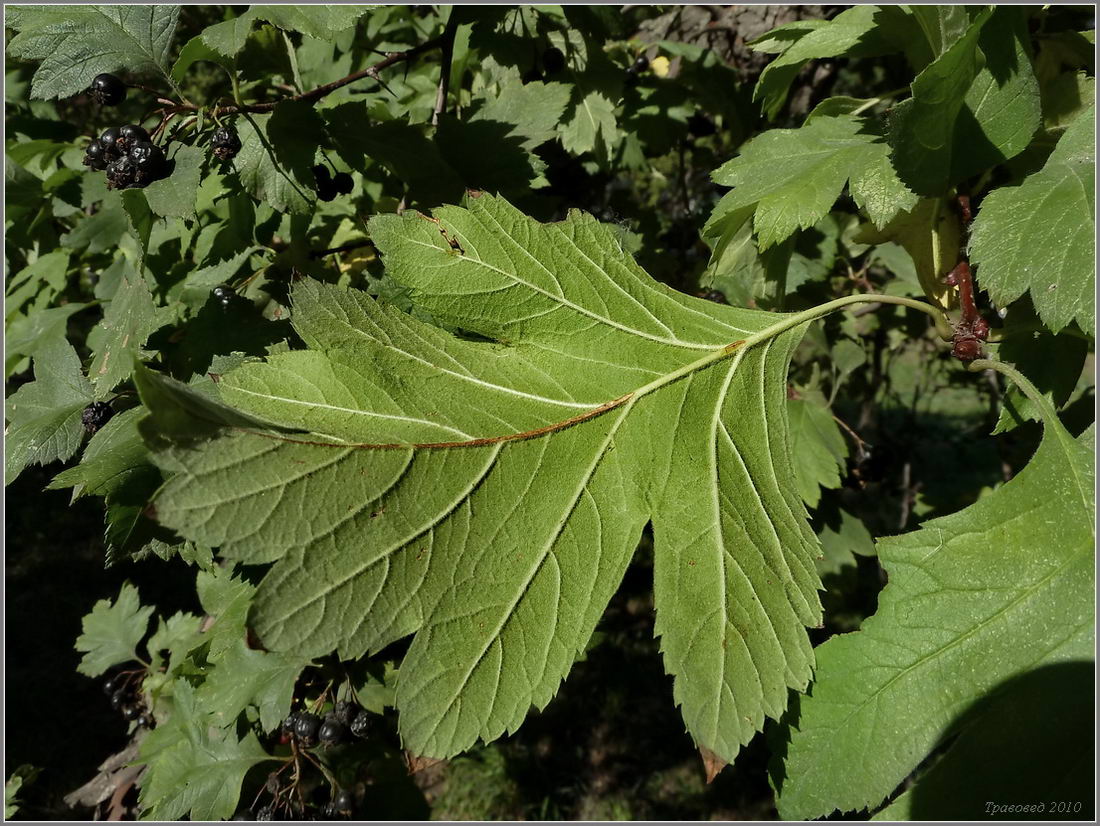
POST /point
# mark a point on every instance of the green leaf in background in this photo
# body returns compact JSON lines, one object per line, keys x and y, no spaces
{"x":851,"y":33}
{"x":842,"y":536}
{"x":44,"y":416}
{"x":1040,"y":236}
{"x":225,"y":39}
{"x":794,"y":176}
{"x":130,"y":318}
{"x":174,"y":196}
{"x":112,"y":632}
{"x":1001,"y":111}
{"x":922,"y":128}
{"x":974,"y":599}
{"x":648,"y":381}
{"x":817,"y":448}
{"x":195,"y":768}
{"x":75,"y":43}
{"x":316,"y":21}
{"x":197,"y":49}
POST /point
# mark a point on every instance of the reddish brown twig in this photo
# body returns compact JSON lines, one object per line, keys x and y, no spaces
{"x":972,"y":329}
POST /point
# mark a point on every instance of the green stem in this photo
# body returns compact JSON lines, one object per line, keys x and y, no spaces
{"x":868,"y":104}
{"x":1041,"y":402}
{"x":790,"y":322}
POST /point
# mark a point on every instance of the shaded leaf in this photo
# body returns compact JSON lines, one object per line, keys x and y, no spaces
{"x":130,"y":318}
{"x":44,"y":416}
{"x":973,"y":599}
{"x":818,"y":449}
{"x":1040,"y":236}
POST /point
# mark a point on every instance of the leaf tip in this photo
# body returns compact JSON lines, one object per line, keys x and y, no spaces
{"x":712,"y":763}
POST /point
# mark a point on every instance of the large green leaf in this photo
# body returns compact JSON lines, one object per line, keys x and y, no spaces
{"x":1040,"y":235}
{"x":794,"y":176}
{"x":75,"y":43}
{"x":488,"y":495}
{"x":974,"y":599}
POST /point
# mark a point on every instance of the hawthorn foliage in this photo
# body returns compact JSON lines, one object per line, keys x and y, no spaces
{"x":305,"y":296}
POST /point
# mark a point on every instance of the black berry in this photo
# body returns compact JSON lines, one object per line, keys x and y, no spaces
{"x":145,"y":721}
{"x":640,"y":65}
{"x":331,"y":732}
{"x":118,"y":699}
{"x":112,"y":684}
{"x":361,"y":724}
{"x":225,"y":142}
{"x":148,"y":160}
{"x":291,"y":721}
{"x":108,"y":90}
{"x":553,"y":61}
{"x":266,"y":813}
{"x":699,"y":125}
{"x":342,"y":182}
{"x":108,"y":141}
{"x":93,"y":156}
{"x":321,"y":174}
{"x":307,"y":726}
{"x":343,"y":801}
{"x":131,"y":711}
{"x":121,"y":173}
{"x":96,"y":415}
{"x":344,"y":712}
{"x":716,"y":296}
{"x":226,"y":296}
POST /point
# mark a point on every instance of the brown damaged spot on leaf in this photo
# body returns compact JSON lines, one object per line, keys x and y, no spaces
{"x":452,"y":242}
{"x":712,"y":763}
{"x":419,"y":764}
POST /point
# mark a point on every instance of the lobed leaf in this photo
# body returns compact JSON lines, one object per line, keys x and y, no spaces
{"x":112,"y":631}
{"x":1039,"y":237}
{"x":75,"y":43}
{"x":487,"y":496}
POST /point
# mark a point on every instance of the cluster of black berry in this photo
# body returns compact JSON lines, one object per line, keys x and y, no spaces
{"x":122,"y":689}
{"x":225,"y":143}
{"x":95,"y":415}
{"x":346,"y":719}
{"x":128,"y":157}
{"x":329,"y":186}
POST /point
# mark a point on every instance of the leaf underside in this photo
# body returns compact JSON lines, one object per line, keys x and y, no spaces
{"x":487,"y":495}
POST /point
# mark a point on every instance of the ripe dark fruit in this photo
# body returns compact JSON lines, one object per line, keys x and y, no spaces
{"x":145,"y":721}
{"x":343,"y":183}
{"x":343,"y":801}
{"x":344,"y":712}
{"x":225,"y":143}
{"x":640,"y":65}
{"x":111,"y":684}
{"x":553,"y":61}
{"x":321,"y":174}
{"x":130,"y":135}
{"x":331,"y":732}
{"x":361,"y":724}
{"x":292,"y":719}
{"x":108,"y":141}
{"x":700,"y":126}
{"x":148,"y":160}
{"x":121,"y":173}
{"x":307,"y":726}
{"x":94,"y":157}
{"x":226,"y":296}
{"x":716,"y":296}
{"x":118,"y":699}
{"x":96,"y":415}
{"x":131,"y":711}
{"x":108,"y":90}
